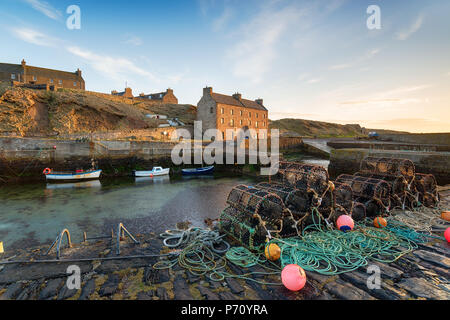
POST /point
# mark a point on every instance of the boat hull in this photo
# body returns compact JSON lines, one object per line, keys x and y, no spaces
{"x":82,"y":176}
{"x":197,"y":171}
{"x":163,"y":172}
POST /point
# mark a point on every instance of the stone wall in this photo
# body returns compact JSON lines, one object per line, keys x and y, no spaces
{"x":348,"y":161}
{"x":426,"y":138}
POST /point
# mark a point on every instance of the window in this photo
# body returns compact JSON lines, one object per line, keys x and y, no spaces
{"x":75,"y":84}
{"x":264,"y":115}
{"x":34,"y":78}
{"x":240,"y":122}
{"x":264,"y":124}
{"x":222,"y":110}
{"x":249,"y":114}
{"x":211,"y":110}
{"x":250,"y":122}
{"x":232,"y":122}
{"x":13,"y":76}
{"x":257,"y":116}
{"x":232,"y":112}
{"x":256,"y":124}
{"x":51,"y":81}
{"x":240,"y":113}
{"x":60,"y":82}
{"x":222,"y":121}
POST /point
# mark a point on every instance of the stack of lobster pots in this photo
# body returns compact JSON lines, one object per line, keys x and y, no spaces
{"x":383,"y":184}
{"x":301,"y":195}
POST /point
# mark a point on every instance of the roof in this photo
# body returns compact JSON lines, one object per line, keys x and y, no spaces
{"x":153,"y":96}
{"x":48,"y":73}
{"x":10,"y":68}
{"x":43,"y":72}
{"x":224,"y":99}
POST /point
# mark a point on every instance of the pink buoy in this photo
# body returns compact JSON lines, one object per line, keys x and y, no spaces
{"x":447,"y":235}
{"x":345,"y":223}
{"x":293,"y":277}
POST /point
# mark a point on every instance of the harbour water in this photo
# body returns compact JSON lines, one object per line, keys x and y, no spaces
{"x":34,"y":214}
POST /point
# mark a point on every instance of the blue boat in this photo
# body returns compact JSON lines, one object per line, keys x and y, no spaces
{"x":197,"y":171}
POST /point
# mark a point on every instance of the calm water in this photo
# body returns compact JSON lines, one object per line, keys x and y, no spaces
{"x":34,"y":214}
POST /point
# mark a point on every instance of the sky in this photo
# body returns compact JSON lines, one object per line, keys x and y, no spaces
{"x":313,"y":60}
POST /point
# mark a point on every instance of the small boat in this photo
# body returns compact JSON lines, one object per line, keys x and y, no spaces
{"x":70,"y":176}
{"x":197,"y":171}
{"x":157,"y":171}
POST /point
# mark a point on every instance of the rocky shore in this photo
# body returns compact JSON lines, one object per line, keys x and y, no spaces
{"x":422,"y":274}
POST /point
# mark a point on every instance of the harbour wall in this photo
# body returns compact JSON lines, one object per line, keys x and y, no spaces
{"x":348,"y":161}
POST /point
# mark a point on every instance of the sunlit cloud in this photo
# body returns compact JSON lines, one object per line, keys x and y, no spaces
{"x":115,"y":67}
{"x":367,"y":56}
{"x":311,"y":81}
{"x":405,"y":34}
{"x":34,"y":37}
{"x":45,"y":8}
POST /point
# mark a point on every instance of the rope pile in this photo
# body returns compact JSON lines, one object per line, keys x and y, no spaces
{"x":204,"y":252}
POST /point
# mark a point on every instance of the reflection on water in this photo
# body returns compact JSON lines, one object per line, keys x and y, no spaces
{"x":34,"y":214}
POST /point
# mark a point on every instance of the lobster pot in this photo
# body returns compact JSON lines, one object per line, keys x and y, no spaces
{"x":398,"y":184}
{"x":426,"y":187}
{"x":304,"y":176}
{"x":237,"y":225}
{"x":255,"y":201}
{"x":367,"y":188}
{"x":358,"y":211}
{"x":343,"y":195}
{"x":372,"y":208}
{"x":389,"y":166}
{"x":298,"y":201}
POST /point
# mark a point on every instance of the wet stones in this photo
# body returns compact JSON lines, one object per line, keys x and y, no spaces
{"x":207,"y":294}
{"x":12,"y":291}
{"x":156,"y":276}
{"x":421,"y":288}
{"x":110,"y":286}
{"x":51,"y":289}
{"x":234,"y":286}
{"x":181,"y":289}
{"x":87,"y":290}
{"x":162,"y":294}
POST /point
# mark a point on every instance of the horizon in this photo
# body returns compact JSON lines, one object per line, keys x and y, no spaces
{"x":312,"y":60}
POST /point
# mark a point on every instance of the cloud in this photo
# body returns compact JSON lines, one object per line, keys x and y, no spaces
{"x":222,"y":20}
{"x":405,"y":34}
{"x":367,"y":56}
{"x":205,"y":5}
{"x":115,"y":67}
{"x":256,"y":47}
{"x":45,"y":8}
{"x":135,"y":41}
{"x":311,"y":81}
{"x":34,"y":37}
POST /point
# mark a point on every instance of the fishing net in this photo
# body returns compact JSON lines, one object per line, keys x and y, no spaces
{"x":304,"y":176}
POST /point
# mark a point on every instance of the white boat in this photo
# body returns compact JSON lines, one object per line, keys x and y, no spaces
{"x":157,"y":171}
{"x":65,"y":176}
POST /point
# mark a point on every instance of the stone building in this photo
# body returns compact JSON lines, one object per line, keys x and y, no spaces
{"x":29,"y":75}
{"x":162,"y":97}
{"x":128,"y":93}
{"x":222,"y":112}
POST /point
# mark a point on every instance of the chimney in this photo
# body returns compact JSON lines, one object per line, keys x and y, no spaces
{"x":114,"y":92}
{"x":259,"y":101}
{"x":24,"y":63}
{"x":169,"y":91}
{"x":141,"y":94}
{"x":207,"y":91}
{"x":78,"y":72}
{"x":237,"y":96}
{"x":128,"y":93}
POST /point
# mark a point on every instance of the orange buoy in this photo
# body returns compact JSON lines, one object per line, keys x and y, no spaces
{"x":47,"y":171}
{"x":272,"y":252}
{"x":445,"y":215}
{"x":379,"y":222}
